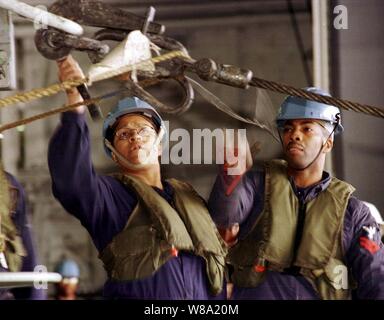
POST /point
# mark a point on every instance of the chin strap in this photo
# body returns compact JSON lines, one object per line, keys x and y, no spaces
{"x":322,"y":146}
{"x":145,"y":157}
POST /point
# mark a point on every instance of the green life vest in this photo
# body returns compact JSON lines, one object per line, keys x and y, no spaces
{"x":270,"y":243}
{"x":155,"y":231}
{"x":11,"y":244}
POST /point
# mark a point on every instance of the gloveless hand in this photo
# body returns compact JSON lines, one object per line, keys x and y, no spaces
{"x":69,"y":69}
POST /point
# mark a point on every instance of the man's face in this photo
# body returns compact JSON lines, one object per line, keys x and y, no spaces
{"x":302,"y":141}
{"x":134,"y":136}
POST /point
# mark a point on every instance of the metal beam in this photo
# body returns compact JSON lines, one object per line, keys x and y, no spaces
{"x":7,"y":52}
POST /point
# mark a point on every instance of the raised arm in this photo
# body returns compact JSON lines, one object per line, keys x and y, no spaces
{"x":74,"y":181}
{"x":233,"y":195}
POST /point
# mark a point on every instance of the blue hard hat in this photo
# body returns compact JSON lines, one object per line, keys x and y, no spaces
{"x":68,"y":269}
{"x":127,"y":106}
{"x":299,"y":108}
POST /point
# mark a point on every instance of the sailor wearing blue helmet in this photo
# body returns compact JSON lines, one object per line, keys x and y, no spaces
{"x":155,"y":236}
{"x":295,"y":231}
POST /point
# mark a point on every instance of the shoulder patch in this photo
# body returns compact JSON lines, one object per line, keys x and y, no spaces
{"x":367,"y":240}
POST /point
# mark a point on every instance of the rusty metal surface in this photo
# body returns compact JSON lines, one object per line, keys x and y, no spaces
{"x":102,"y":35}
{"x":57,"y":39}
{"x":54,"y":45}
{"x":116,"y":24}
{"x":46,"y":49}
{"x":98,"y":14}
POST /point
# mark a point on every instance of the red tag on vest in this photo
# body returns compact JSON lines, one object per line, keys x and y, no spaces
{"x":369,"y":245}
{"x":259,"y":268}
{"x":174,"y":252}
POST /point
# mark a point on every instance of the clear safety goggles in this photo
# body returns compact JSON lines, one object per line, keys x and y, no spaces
{"x":144,"y":132}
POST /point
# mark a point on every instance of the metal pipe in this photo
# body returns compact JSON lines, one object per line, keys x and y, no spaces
{"x":320,"y":34}
{"x":49,"y":18}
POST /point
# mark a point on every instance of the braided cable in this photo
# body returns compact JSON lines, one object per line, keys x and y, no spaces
{"x":344,"y":104}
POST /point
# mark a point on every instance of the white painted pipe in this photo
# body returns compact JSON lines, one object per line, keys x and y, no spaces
{"x":23,"y":279}
{"x":320,"y":35}
{"x":48,"y":18}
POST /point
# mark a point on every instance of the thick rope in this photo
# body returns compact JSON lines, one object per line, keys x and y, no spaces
{"x":41,"y":92}
{"x":66,"y":85}
{"x":301,"y":93}
{"x":49,"y":113}
{"x":58,"y":110}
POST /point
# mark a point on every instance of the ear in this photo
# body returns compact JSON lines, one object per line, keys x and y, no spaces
{"x":114,"y":158}
{"x":328,"y":145}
